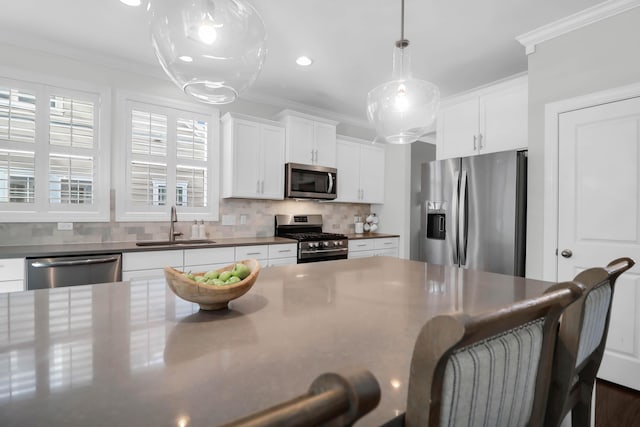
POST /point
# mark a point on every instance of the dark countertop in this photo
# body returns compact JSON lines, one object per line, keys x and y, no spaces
{"x":113,"y":247}
{"x":134,"y":354}
{"x":369,"y":235}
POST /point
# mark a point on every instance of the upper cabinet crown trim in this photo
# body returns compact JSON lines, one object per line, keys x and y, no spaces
{"x":284,"y":113}
{"x":254,"y":119}
{"x":507,"y":82}
{"x":573,"y":22}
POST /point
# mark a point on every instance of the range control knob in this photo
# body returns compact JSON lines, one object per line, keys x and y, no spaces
{"x":326,"y":244}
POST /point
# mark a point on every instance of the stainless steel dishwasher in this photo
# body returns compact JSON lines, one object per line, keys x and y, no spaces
{"x":55,"y":272}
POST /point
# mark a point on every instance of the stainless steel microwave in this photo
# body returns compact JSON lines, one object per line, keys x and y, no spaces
{"x":310,"y":182}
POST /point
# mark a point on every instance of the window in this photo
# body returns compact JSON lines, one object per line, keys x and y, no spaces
{"x":169,"y":154}
{"x":54,"y":161}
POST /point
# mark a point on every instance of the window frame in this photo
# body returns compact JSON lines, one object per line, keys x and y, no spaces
{"x":44,"y":87}
{"x":121,"y":167}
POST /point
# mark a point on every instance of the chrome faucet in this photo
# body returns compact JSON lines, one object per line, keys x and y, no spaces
{"x":174,"y":219}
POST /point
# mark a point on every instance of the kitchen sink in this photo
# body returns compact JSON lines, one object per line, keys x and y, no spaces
{"x":175,"y":242}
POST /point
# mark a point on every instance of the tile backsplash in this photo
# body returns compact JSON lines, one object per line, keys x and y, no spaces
{"x":337,"y":218}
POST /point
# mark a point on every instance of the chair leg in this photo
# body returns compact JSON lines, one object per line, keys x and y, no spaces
{"x":581,"y":414}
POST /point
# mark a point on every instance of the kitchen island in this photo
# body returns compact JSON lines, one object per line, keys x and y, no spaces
{"x":135,"y":354}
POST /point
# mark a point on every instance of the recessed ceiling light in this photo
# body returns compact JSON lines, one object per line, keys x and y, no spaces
{"x":185,"y":58}
{"x":131,"y":2}
{"x":304,"y":61}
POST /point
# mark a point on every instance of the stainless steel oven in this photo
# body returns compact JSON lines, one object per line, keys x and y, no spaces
{"x":313,"y":244}
{"x":310,"y":182}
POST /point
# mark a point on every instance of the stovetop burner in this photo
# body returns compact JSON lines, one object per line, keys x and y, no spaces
{"x":313,"y":236}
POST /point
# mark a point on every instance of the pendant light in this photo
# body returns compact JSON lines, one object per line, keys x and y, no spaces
{"x":404,"y":108}
{"x":211,"y":49}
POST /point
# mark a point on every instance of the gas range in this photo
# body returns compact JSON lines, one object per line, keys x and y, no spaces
{"x":313,"y":244}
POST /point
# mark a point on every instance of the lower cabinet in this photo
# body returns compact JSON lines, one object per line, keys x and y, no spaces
{"x":283,"y":254}
{"x":206,"y":259}
{"x":383,"y":246}
{"x":150,"y":264}
{"x":12,"y":275}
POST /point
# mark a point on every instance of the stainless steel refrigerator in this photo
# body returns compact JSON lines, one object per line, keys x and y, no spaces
{"x":474,"y":212}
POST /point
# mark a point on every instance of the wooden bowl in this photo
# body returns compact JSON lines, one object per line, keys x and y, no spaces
{"x":211,"y":297}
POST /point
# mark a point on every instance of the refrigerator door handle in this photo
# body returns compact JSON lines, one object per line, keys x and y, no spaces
{"x":462,"y":221}
{"x":455,"y":205}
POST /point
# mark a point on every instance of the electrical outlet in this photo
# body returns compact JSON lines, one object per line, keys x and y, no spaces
{"x":228,"y":220}
{"x":243,"y":219}
{"x":65,"y":226}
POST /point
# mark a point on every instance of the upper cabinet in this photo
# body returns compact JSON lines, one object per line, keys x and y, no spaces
{"x":493,"y":118}
{"x":310,"y":140}
{"x":253,"y":153}
{"x":360,"y":171}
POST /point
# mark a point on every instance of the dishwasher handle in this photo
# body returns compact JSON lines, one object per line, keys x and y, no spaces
{"x":39,"y":264}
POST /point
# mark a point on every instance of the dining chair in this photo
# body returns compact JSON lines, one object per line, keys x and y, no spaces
{"x":492,"y":369}
{"x":333,"y":400}
{"x":580,"y":345}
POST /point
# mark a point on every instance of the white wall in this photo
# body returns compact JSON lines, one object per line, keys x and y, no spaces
{"x":395,"y":213}
{"x":601,"y":56}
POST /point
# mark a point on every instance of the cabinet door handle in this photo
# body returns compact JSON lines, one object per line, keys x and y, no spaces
{"x":312,"y":155}
{"x":262,"y":186}
{"x":480,"y":144}
{"x":284,"y":251}
{"x":475,"y":145}
{"x":258,"y":186}
{"x":252,"y":253}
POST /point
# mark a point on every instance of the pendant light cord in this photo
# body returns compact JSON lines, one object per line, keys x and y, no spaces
{"x":402,"y":43}
{"x":402,"y":23}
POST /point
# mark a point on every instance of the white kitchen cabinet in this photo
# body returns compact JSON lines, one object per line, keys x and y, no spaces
{"x":205,"y":259}
{"x":259,"y":252}
{"x":310,"y":140}
{"x":383,"y":246}
{"x":11,"y":275}
{"x":360,"y":171}
{"x":150,"y":264}
{"x":487,"y":120}
{"x":253,"y":157}
{"x":284,"y":254}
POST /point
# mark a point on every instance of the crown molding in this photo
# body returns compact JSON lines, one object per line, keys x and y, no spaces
{"x":286,"y":104}
{"x":573,"y":22}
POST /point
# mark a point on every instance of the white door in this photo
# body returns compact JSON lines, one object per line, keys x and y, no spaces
{"x":348,"y":155}
{"x":324,"y":136}
{"x":372,"y":174}
{"x":599,"y":217}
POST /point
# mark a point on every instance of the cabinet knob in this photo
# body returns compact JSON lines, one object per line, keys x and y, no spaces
{"x":475,"y":142}
{"x":566,"y":253}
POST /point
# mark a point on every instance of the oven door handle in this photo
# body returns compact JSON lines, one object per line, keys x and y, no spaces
{"x":74,"y":262}
{"x":324,"y":251}
{"x":330,"y":190}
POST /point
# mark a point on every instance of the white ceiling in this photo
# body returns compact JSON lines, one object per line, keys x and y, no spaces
{"x":457,"y":44}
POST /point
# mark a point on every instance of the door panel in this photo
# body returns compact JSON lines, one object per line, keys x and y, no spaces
{"x":273,"y":140}
{"x":491,"y":212}
{"x":598,"y":197}
{"x":439,"y":184}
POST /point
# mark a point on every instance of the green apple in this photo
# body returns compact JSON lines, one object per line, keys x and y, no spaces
{"x":241,"y":271}
{"x":217,"y":282}
{"x":232,"y":280}
{"x":224,"y":276}
{"x":210,"y":275}
{"x":200,"y":279}
{"x":190,"y":276}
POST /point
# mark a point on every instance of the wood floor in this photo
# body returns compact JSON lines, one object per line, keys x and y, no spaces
{"x":616,"y":406}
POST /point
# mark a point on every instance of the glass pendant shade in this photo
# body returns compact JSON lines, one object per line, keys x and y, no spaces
{"x":402,"y":109}
{"x":211,"y":49}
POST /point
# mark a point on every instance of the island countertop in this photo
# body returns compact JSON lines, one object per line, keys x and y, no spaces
{"x":135,"y":354}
